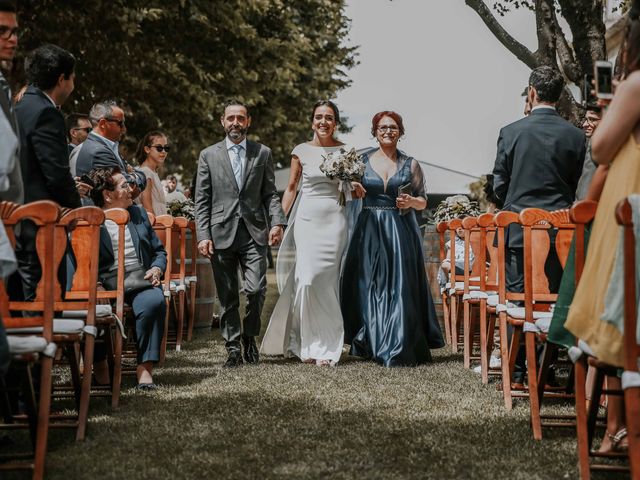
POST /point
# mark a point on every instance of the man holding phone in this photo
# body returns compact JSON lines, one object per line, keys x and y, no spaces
{"x":538,"y":164}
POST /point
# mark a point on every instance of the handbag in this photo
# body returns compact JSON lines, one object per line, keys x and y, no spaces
{"x":134,"y":280}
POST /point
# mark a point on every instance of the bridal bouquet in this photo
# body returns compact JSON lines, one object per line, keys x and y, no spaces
{"x":346,"y":166}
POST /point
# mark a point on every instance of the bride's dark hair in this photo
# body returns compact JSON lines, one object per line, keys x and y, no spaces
{"x":326,"y":103}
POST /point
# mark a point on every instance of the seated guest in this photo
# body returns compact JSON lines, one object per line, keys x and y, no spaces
{"x":172,"y":193}
{"x":78,"y":128}
{"x":145,"y":257}
{"x":151,"y":155}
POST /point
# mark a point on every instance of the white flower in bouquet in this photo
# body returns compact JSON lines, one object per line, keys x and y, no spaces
{"x":346,"y":166}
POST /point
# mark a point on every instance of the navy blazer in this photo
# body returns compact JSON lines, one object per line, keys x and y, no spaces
{"x":151,"y":252}
{"x":538,"y":164}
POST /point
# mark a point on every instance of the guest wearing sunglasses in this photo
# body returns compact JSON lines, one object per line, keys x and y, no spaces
{"x":78,"y":128}
{"x":101,"y":148}
{"x":151,"y":154}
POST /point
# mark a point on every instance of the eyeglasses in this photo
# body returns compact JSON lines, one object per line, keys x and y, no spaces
{"x":6,"y":33}
{"x":592,"y":122}
{"x":115,"y":120}
{"x":389,"y":128}
{"x":84,"y":129}
{"x":160,"y":148}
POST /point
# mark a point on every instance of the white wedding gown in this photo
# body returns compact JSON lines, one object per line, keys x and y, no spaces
{"x":306,"y":321}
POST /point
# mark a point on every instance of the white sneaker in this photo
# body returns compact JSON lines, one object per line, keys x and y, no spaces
{"x":495,"y":362}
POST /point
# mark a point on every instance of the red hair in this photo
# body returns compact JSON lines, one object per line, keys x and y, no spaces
{"x":386,"y":113}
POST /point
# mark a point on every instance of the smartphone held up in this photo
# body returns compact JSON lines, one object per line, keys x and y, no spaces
{"x":603,"y":73}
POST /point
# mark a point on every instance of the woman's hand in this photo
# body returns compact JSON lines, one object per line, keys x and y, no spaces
{"x":83,"y":188}
{"x":405,"y":201}
{"x":153,"y":275}
{"x":358,"y":190}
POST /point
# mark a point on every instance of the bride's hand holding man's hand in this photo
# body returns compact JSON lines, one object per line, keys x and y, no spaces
{"x":358,"y":190}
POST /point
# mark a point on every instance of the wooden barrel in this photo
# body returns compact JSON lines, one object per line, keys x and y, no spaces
{"x":207,"y":305}
{"x":431,"y":243}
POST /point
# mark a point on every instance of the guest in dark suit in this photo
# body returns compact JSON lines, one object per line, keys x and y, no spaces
{"x":538,"y":164}
{"x":143,"y":250}
{"x":44,"y":156}
{"x":235,"y":192}
{"x":78,"y":127}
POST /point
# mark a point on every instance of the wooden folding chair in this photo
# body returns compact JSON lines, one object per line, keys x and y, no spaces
{"x":472,"y":284}
{"x":115,"y":336}
{"x":191,"y":279}
{"x":502,"y":221}
{"x":631,"y":374}
{"x":535,"y":318}
{"x":442,"y":228}
{"x":79,"y":302}
{"x":30,"y":349}
{"x":488,"y":293}
{"x":178,"y":274}
{"x":163,"y":226}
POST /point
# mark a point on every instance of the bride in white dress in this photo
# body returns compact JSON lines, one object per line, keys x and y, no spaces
{"x":306,"y":321}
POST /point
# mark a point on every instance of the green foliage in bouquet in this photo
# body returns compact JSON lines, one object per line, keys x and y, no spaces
{"x":186,"y":209}
{"x":456,"y":206}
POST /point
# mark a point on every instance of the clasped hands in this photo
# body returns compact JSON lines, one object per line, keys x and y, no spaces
{"x":153,"y":275}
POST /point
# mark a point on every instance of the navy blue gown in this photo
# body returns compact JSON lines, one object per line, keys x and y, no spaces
{"x":388,"y":312}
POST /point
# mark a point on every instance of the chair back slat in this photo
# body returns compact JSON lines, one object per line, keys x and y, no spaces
{"x":502,"y":221}
{"x":121,"y":218}
{"x":163,"y":227}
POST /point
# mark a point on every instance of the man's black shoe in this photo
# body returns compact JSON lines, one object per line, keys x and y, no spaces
{"x":251,"y":354}
{"x":234,"y":360}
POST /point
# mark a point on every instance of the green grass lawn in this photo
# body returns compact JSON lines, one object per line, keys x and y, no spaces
{"x":284,"y":419}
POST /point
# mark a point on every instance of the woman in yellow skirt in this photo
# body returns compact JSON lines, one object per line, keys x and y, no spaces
{"x":616,"y":147}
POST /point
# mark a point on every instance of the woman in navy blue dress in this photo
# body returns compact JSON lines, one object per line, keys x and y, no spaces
{"x":388,"y":312}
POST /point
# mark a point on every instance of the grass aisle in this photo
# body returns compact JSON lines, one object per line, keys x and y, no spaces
{"x":284,"y":419}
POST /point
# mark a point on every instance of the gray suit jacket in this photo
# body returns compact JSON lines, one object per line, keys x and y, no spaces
{"x":16,"y":185}
{"x":220,"y":204}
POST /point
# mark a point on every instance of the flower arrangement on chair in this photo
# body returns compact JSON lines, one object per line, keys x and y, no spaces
{"x":186,"y":209}
{"x":456,"y":206}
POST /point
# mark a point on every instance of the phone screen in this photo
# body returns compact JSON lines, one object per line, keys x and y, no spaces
{"x":603,"y":75}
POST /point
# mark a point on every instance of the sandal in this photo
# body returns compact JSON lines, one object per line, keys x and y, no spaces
{"x":617,"y":440}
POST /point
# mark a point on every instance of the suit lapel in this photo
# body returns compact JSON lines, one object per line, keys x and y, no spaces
{"x":252,"y":151}
{"x":223,"y":157}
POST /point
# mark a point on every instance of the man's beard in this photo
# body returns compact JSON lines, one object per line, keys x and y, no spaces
{"x":236,"y":133}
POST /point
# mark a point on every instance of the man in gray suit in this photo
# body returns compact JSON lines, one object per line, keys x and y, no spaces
{"x":235,"y":191}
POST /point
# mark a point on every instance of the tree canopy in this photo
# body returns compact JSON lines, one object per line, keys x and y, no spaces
{"x":174,"y":64}
{"x":574,"y":58}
